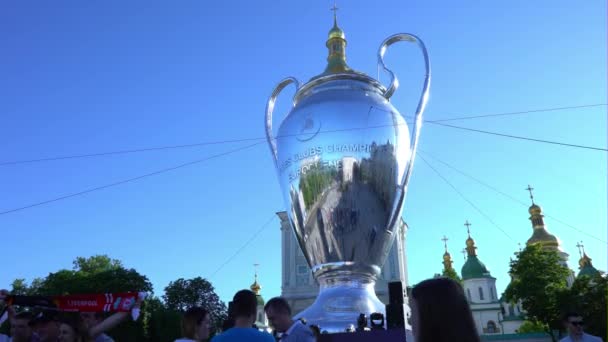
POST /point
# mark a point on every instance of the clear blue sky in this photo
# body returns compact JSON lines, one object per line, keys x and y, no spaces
{"x":82,"y":77}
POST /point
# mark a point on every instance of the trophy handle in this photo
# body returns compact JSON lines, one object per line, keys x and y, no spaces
{"x":399,"y":37}
{"x":270,"y":108}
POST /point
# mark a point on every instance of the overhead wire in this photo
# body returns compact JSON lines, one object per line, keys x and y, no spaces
{"x":517,"y":113}
{"x":227,"y":141}
{"x":520,"y":137}
{"x":109,"y":185}
{"x":512,"y":198}
{"x":260,"y":140}
{"x":240,"y":249}
{"x":488,"y":218}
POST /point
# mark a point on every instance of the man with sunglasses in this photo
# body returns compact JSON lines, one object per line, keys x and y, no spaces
{"x":574,"y":324}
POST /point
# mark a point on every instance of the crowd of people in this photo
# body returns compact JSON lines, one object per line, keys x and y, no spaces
{"x":440,"y":313}
{"x":50,"y":325}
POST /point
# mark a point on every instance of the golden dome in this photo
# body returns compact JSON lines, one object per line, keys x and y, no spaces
{"x":584,"y":261}
{"x":447,"y":256}
{"x":256,"y":287}
{"x":543,"y":237}
{"x":535,"y":209}
{"x":470,"y":242}
{"x":336,"y":32}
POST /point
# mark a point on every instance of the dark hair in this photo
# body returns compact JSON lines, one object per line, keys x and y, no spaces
{"x":278,"y":304}
{"x":443,"y":312}
{"x":191,"y":320}
{"x":316,"y":331}
{"x":244,"y":304}
{"x":567,"y":316}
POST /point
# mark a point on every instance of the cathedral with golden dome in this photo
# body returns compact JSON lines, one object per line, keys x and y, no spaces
{"x":492,"y":314}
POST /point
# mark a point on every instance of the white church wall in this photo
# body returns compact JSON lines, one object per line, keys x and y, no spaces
{"x":487,"y":320}
{"x":487,"y":294}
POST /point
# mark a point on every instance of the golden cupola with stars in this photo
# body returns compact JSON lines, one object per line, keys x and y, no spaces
{"x":540,"y":234}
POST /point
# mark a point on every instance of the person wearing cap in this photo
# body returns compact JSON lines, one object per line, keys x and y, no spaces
{"x":46,"y":325}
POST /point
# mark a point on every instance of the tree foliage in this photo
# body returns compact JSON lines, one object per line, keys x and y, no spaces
{"x":531,"y":327}
{"x":451,"y":273}
{"x":96,"y":264}
{"x":161,"y":324}
{"x":182,"y":294}
{"x":19,"y":287}
{"x":539,"y":281}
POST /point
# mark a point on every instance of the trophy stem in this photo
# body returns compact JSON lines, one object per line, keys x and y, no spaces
{"x":343,"y":295}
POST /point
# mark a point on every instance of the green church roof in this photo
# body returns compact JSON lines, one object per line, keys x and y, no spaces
{"x":588,"y":270}
{"x":474,"y":268}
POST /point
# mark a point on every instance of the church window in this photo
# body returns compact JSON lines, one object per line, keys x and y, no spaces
{"x":511,"y":310}
{"x":469,"y":294}
{"x":491,"y":294}
{"x":491,"y":328}
{"x":480,"y":293}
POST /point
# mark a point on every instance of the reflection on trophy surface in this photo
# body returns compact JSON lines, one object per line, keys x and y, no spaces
{"x":343,"y":156}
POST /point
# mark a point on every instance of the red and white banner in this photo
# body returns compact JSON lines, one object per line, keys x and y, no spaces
{"x":106,"y":302}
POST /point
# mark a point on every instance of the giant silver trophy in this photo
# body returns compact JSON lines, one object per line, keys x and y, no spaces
{"x":344,"y":156}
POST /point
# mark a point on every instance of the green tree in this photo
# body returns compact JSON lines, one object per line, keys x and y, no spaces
{"x":539,"y":281}
{"x":161,"y":323}
{"x":182,"y":294}
{"x":96,"y":264}
{"x":588,"y":297}
{"x":451,"y":273}
{"x":19,"y":287}
{"x":531,"y":327}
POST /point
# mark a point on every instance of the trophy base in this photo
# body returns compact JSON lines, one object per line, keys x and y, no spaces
{"x":338,"y":306}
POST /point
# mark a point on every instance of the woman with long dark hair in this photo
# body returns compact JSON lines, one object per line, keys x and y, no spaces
{"x":441,"y":313}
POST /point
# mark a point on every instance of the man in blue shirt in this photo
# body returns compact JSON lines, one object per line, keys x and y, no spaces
{"x":244,"y":306}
